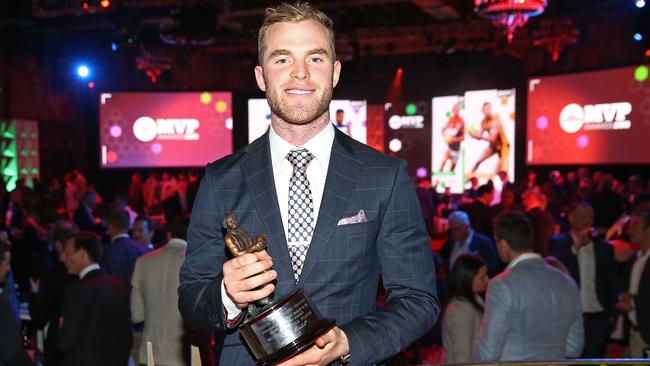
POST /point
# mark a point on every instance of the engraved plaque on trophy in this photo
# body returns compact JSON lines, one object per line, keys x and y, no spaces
{"x":281,"y":328}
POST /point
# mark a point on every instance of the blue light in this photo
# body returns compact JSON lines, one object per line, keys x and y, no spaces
{"x":640,"y":3}
{"x":638,"y":37}
{"x":83,"y":71}
{"x":114,"y":46}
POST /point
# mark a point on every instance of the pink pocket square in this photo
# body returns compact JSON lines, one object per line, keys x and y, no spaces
{"x":359,"y":218}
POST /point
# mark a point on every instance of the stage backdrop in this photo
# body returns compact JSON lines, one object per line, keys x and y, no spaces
{"x":407,"y":134}
{"x":465,"y":138}
{"x":351,"y":113}
{"x":600,"y":117}
{"x":164,"y":129}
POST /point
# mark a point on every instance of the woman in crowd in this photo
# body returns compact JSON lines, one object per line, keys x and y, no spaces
{"x":462,"y":318}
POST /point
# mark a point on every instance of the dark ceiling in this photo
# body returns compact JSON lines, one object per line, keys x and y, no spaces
{"x":364,"y":27}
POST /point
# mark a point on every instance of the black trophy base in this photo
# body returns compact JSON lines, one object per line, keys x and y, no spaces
{"x":283,"y":329}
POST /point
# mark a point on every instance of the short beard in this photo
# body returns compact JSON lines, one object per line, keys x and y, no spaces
{"x":300,"y":114}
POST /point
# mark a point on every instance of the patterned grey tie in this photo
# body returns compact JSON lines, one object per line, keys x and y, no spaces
{"x":301,"y":209}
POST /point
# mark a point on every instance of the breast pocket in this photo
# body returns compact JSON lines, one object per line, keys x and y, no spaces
{"x":360,"y":229}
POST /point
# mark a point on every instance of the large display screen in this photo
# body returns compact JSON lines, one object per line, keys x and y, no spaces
{"x":473,"y":135}
{"x":600,"y":117}
{"x":348,"y":115}
{"x":164,"y":129}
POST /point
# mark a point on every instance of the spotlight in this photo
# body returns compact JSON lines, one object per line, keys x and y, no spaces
{"x":91,"y":85}
{"x":640,"y":3}
{"x":105,"y":3}
{"x":400,"y":71}
{"x":83,"y":71}
{"x":647,"y":53}
{"x":114,"y":46}
{"x":638,"y":37}
{"x":84,"y":6}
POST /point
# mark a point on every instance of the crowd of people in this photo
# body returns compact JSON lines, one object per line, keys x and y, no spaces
{"x":96,"y":275}
{"x":567,"y":275}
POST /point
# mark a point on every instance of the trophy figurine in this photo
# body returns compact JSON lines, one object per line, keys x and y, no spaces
{"x":276,"y":329}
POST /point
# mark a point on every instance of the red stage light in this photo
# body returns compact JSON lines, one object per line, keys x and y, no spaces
{"x":400,"y":70}
{"x":647,"y":53}
{"x":91,"y":85}
{"x":105,"y":3}
{"x":85,"y":6}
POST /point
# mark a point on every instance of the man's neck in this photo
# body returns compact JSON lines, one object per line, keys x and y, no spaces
{"x":298,"y":135}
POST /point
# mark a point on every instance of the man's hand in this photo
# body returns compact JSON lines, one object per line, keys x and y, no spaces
{"x":625,"y":303}
{"x":247,"y":278}
{"x":329,"y":347}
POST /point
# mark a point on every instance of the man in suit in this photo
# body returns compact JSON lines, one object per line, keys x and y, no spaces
{"x":479,"y":211}
{"x":154,"y":298}
{"x":532,"y":311}
{"x":636,"y":301}
{"x":359,"y":217}
{"x":542,"y":221}
{"x":45,"y":307}
{"x":462,"y":239}
{"x":11,"y":352}
{"x":122,"y":251}
{"x":590,"y":261}
{"x":95,"y":323}
{"x":143,"y":231}
{"x":84,"y":217}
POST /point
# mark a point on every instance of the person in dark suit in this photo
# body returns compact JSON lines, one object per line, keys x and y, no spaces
{"x":462,"y":239}
{"x":479,"y":211}
{"x":84,"y":217}
{"x":360,"y":216}
{"x":427,"y":197}
{"x":11,"y":352}
{"x":95,"y":323}
{"x":542,"y":221}
{"x":590,"y":261}
{"x":45,"y":307}
{"x":636,"y":301}
{"x":122,"y":251}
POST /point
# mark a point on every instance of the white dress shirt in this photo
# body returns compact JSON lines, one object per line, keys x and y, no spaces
{"x":587,"y":265}
{"x":635,"y":278}
{"x":321,"y":147}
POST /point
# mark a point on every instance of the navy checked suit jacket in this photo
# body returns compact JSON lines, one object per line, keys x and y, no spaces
{"x":343,"y":264}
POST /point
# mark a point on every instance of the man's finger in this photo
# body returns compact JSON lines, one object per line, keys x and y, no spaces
{"x":251,"y":296}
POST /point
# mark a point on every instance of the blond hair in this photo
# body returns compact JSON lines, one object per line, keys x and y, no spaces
{"x":293,"y":13}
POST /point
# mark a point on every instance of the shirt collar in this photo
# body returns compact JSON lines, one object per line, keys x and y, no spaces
{"x":119,"y":236}
{"x":87,"y":270}
{"x":523,"y":257}
{"x":177,"y":243}
{"x":319,"y":145}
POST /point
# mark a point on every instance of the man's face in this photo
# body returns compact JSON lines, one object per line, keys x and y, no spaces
{"x":487,"y":110}
{"x":638,"y":231}
{"x":455,"y":110}
{"x":141,"y":232}
{"x":298,"y":73}
{"x":581,"y":218}
{"x":458,"y":232}
{"x":5,"y":266}
{"x":72,"y":258}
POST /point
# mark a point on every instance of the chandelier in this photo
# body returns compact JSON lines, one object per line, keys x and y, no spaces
{"x":509,"y":14}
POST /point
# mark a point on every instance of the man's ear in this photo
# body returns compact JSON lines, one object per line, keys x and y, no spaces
{"x":259,"y":78}
{"x":336,"y":74}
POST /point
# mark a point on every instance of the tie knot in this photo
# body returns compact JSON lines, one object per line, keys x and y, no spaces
{"x":300,"y":158}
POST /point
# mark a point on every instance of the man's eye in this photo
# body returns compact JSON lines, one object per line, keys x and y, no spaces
{"x":282,"y":61}
{"x":316,"y":59}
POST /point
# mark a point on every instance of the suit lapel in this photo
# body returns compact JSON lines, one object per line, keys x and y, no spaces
{"x":342,"y":175}
{"x":257,"y":171}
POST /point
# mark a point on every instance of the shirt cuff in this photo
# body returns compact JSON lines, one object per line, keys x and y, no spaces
{"x":231,"y":310}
